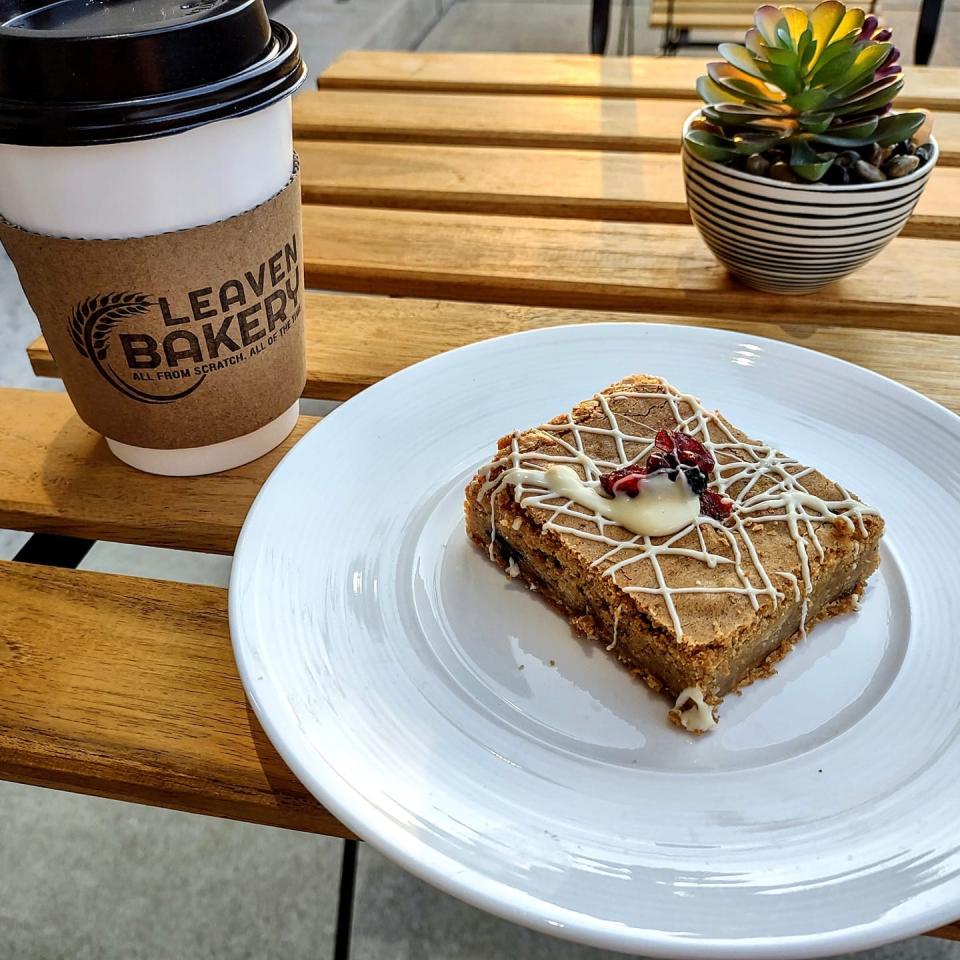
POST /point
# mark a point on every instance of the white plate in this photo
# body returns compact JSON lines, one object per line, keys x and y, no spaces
{"x":382,"y":654}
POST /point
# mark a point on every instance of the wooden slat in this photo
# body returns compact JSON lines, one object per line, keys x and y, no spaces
{"x":586,"y":184}
{"x":126,"y":688}
{"x":744,"y":7}
{"x":577,"y":122}
{"x":627,"y":266}
{"x":592,"y":123}
{"x":56,"y":475}
{"x":353,"y":342}
{"x":737,"y":22}
{"x":937,"y":88}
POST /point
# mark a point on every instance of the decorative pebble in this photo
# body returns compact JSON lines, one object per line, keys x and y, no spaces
{"x":879,"y":155}
{"x":757,"y":165}
{"x":702,"y":124}
{"x":926,"y":130}
{"x":901,"y":166}
{"x":869,"y":173}
{"x":848,"y":158}
{"x":905,"y":146}
{"x":837,"y":176}
{"x":781,"y":171}
{"x":925,"y":152}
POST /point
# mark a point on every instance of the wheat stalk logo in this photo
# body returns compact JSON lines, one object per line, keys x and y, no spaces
{"x":91,"y":327}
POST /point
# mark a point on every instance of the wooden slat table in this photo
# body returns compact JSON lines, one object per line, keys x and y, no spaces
{"x":539,"y":74}
{"x":578,"y":122}
{"x":581,"y":184}
{"x":468,"y":197}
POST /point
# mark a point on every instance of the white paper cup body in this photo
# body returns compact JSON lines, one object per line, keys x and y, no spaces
{"x":145,"y":187}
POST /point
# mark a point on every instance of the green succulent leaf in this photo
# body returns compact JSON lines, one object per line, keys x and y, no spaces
{"x":809,"y":100}
{"x":748,"y":143}
{"x":824,"y":21}
{"x":851,"y":24}
{"x":743,"y":86}
{"x":783,"y":58}
{"x":807,"y":163}
{"x":816,"y":122}
{"x":830,"y":71}
{"x":864,"y":66}
{"x":754,"y":43}
{"x":738,"y":114}
{"x":786,"y":78}
{"x":782,"y":126}
{"x":874,"y":96}
{"x":806,"y":48}
{"x":766,"y":19}
{"x":797,"y":23}
{"x":848,"y":136}
{"x":741,"y":58}
{"x":897,"y":127}
{"x":711,"y":92}
{"x":784,"y":38}
{"x":856,"y":128}
{"x":837,"y":49}
{"x":708,"y":146}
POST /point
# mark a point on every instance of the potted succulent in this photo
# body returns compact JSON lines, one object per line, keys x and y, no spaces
{"x":797,"y":169}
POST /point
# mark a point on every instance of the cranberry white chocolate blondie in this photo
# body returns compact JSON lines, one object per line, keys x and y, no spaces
{"x":696,"y":555}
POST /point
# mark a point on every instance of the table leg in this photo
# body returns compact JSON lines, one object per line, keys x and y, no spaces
{"x":930,"y":11}
{"x":599,"y":26}
{"x":348,"y":883}
{"x":53,"y":550}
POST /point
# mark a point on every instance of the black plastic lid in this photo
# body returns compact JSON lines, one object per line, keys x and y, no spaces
{"x":78,"y":72}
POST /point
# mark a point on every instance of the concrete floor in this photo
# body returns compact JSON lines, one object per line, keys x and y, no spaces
{"x":86,"y":878}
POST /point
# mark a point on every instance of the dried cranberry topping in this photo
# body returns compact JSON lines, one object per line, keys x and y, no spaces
{"x":715,"y":505}
{"x":684,"y":450}
{"x":675,"y":452}
{"x":626,"y":480}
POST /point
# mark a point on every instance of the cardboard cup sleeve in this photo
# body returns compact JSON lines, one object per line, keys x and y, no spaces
{"x":177,"y":340}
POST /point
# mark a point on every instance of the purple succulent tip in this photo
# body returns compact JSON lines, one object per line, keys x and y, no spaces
{"x":888,"y":71}
{"x":883,"y":35}
{"x":869,"y":27}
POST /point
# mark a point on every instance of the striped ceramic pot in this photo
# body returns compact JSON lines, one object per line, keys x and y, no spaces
{"x":793,"y":237}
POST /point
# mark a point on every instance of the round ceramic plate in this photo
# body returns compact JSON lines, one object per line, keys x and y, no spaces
{"x":452,"y":719}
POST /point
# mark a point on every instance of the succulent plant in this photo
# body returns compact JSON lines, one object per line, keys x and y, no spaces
{"x":805,"y":90}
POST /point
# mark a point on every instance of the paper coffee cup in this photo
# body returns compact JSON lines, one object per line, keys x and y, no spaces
{"x":148,"y":186}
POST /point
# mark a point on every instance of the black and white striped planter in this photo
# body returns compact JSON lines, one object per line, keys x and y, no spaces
{"x":794,"y":237}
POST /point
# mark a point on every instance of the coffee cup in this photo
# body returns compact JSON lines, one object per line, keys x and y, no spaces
{"x":151,"y":205}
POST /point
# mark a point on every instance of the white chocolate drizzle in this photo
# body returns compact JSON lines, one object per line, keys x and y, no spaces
{"x":663,"y":506}
{"x":616,"y":624}
{"x":694,"y":713}
{"x":741,"y":465}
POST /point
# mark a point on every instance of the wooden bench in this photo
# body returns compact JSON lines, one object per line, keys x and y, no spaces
{"x":582,"y":184}
{"x":575,"y":122}
{"x":57,"y":476}
{"x":734,"y":15}
{"x":549,"y":74}
{"x":678,"y":17}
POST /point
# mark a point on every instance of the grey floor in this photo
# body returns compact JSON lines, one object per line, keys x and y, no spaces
{"x":85,"y":878}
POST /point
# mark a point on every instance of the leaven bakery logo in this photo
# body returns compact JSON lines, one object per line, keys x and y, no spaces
{"x":143,"y":345}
